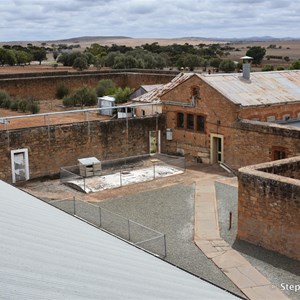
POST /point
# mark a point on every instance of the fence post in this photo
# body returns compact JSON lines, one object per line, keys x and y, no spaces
{"x":100,"y":217}
{"x":120,"y":178}
{"x":128,"y":222}
{"x":154,"y":170}
{"x":74,"y":205}
{"x":165,"y":245}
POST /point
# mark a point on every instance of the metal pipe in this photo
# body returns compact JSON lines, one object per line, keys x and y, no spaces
{"x":230,"y":220}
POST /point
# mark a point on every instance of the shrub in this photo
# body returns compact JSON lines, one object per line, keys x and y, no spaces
{"x":122,"y":95}
{"x":69,"y":101}
{"x":32,"y":106}
{"x":105,"y":87}
{"x":22,"y":105}
{"x":85,"y":96}
{"x":3,"y":97}
{"x":61,"y":91}
{"x":267,"y":68}
{"x":80,"y":63}
{"x":6,"y":103}
{"x":227,"y":66}
{"x":14,"y":105}
{"x":280,"y":68}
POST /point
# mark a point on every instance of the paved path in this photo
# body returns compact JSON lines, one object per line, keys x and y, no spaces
{"x":252,"y":283}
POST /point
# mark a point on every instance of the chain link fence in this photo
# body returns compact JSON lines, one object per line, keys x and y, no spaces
{"x":135,"y":233}
{"x":120,"y":172}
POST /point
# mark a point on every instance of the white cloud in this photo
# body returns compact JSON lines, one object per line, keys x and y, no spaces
{"x":54,"y":19}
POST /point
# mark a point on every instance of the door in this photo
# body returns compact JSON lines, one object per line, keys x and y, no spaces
{"x":216,"y":149}
{"x":19,"y":165}
{"x":154,"y":142}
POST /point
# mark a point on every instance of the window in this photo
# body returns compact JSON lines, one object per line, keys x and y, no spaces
{"x":200,"y":123}
{"x":180,"y":120}
{"x":190,"y":121}
{"x":279,"y":153}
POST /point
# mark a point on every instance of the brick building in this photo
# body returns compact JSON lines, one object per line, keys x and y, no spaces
{"x":206,"y":114}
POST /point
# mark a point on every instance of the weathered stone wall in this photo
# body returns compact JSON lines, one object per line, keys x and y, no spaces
{"x":269,"y":207}
{"x":44,"y":86}
{"x":251,"y":142}
{"x":52,"y":147}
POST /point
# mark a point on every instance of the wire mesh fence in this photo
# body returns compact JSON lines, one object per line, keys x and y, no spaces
{"x":137,"y":234}
{"x":120,"y":172}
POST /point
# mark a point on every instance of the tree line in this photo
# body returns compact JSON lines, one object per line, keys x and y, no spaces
{"x":19,"y":55}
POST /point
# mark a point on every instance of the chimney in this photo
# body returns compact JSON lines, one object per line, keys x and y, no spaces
{"x":246,"y":66}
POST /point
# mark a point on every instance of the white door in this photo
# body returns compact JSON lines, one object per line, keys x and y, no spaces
{"x":19,"y":165}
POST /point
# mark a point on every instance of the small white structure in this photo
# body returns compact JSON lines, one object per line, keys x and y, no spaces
{"x":106,"y":102}
{"x":125,"y":112}
{"x":89,"y":166}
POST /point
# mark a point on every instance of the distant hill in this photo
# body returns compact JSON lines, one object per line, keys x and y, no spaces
{"x":245,"y":39}
{"x":86,"y":39}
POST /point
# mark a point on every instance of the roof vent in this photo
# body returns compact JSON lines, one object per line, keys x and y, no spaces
{"x":246,"y":66}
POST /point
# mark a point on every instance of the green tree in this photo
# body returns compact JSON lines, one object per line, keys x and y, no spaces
{"x":38,"y":54}
{"x":227,"y":66}
{"x":85,"y":96}
{"x":215,"y":62}
{"x":257,"y":53}
{"x":80,"y":64}
{"x":105,"y":87}
{"x":295,"y":65}
{"x":122,"y":95}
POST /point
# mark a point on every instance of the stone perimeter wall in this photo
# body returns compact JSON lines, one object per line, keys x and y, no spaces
{"x":43,"y":86}
{"x":269,"y":206}
{"x":52,"y":147}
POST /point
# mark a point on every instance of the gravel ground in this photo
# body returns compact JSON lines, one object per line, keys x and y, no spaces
{"x":277,"y":268}
{"x":170,"y":210}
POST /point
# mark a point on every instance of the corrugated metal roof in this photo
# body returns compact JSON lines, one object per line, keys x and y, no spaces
{"x":150,"y":87}
{"x":154,"y":95}
{"x":263,"y":88}
{"x":48,"y":254}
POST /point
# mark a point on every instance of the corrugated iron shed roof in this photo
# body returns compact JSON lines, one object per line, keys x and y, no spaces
{"x":48,"y":254}
{"x":263,"y":88}
{"x":154,"y":95}
{"x":150,"y":87}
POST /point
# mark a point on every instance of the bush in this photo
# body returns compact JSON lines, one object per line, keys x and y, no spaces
{"x":84,"y":96}
{"x":69,"y":101}
{"x":6,"y":103}
{"x":22,"y":105}
{"x":14,"y":105}
{"x":80,"y":64}
{"x":33,"y":107}
{"x":268,"y":68}
{"x":280,"y":68}
{"x":105,"y":87}
{"x":3,"y":97}
{"x":122,"y":95}
{"x":227,"y":66}
{"x":61,"y":91}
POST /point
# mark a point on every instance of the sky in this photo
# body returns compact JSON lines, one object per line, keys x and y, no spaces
{"x":41,"y":20}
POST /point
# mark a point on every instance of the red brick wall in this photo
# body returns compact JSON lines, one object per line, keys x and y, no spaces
{"x":253,"y":142}
{"x":61,"y":145}
{"x":44,"y":87}
{"x":269,"y":208}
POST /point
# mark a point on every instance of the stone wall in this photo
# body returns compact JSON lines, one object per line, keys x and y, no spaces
{"x":43,"y":86}
{"x":269,"y":207}
{"x":52,"y":147}
{"x":252,"y":142}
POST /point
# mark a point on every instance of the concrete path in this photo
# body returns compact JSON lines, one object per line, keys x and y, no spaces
{"x":207,"y":237}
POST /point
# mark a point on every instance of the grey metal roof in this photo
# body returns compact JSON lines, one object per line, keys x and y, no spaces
{"x":263,"y":88}
{"x":154,"y":95}
{"x":150,"y":87}
{"x":48,"y":254}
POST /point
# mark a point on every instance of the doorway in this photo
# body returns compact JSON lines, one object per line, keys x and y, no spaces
{"x":216,"y":148}
{"x":19,"y":165}
{"x":154,"y":142}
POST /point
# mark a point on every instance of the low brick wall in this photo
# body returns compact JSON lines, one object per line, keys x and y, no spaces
{"x":43,"y":86}
{"x":52,"y":147}
{"x":269,"y":206}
